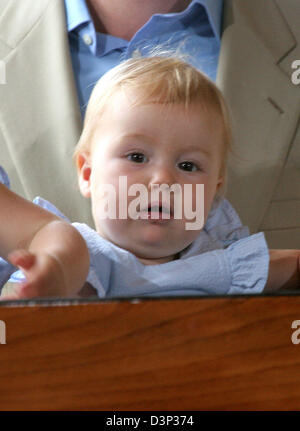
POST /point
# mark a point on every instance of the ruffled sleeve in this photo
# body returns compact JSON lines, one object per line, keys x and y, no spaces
{"x":249,"y":264}
{"x":100,"y":264}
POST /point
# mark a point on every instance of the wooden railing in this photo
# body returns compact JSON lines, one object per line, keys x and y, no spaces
{"x":163,"y":354}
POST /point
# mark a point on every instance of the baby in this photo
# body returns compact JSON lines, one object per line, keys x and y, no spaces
{"x":160,"y":123}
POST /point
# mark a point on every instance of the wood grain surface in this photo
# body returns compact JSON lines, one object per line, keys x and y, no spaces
{"x":177,"y":354}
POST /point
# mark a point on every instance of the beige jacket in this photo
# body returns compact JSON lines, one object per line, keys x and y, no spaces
{"x":40,"y":120}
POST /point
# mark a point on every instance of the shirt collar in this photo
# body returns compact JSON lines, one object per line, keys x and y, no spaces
{"x":77,"y":13}
{"x":214,"y":12}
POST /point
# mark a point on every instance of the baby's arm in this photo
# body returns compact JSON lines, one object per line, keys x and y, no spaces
{"x":284,"y":270}
{"x":51,"y":253}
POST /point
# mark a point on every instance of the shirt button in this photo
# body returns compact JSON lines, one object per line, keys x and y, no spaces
{"x":87,"y":39}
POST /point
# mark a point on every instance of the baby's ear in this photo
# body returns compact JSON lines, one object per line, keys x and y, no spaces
{"x":84,"y":173}
{"x":221,"y":187}
{"x":220,"y":183}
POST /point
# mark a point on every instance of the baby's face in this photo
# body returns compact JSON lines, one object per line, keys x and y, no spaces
{"x":152,"y":144}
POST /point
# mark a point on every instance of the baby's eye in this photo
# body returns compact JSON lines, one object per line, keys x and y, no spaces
{"x":136,"y":157}
{"x":188,"y":166}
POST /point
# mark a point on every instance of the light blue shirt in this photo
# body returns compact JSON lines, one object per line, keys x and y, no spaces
{"x":195,"y":31}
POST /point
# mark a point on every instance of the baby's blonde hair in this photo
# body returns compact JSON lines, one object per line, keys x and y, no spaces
{"x":158,"y":79}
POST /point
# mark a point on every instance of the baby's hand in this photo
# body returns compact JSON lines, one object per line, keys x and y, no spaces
{"x":284,"y":270}
{"x":44,"y":276}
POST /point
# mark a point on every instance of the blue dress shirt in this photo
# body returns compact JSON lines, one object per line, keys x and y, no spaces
{"x":195,"y":31}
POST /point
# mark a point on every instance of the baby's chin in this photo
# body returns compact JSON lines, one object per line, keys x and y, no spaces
{"x":149,"y":257}
{"x":147,"y":252}
{"x":157,"y":260}
{"x":154,"y":256}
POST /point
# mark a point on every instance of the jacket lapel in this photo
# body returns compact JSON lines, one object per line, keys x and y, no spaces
{"x":262,"y":100}
{"x":17,"y":19}
{"x":43,"y":127}
{"x":290,"y":12}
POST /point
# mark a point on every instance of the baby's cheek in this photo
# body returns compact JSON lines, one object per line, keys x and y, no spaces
{"x":113,"y":228}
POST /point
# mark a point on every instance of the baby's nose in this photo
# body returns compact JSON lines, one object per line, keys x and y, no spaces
{"x":162,"y":175}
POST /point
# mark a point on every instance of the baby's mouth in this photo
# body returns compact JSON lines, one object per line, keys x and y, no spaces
{"x":157,"y":212}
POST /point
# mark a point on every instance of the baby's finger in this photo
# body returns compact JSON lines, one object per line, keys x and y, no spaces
{"x":12,"y":295}
{"x":22,"y":258}
{"x":8,"y":298}
{"x":28,"y":289}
